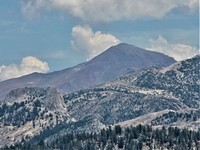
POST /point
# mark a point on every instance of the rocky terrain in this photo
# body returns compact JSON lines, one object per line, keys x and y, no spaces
{"x":28,"y":111}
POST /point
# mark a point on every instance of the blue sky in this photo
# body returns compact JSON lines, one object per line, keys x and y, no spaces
{"x":63,"y":33}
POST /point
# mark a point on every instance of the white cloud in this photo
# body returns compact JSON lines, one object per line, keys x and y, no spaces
{"x":91,"y":43}
{"x":28,"y":65}
{"x":192,"y":4}
{"x":31,"y":8}
{"x":108,"y":10}
{"x":178,"y":51}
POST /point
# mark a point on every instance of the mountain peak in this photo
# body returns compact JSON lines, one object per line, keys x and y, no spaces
{"x":111,"y":64}
{"x":126,"y":53}
{"x":124,"y":45}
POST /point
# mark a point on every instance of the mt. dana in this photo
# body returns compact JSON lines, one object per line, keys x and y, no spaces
{"x":109,"y":65}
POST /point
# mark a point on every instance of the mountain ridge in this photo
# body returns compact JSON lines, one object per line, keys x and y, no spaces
{"x":136,"y":94}
{"x":128,"y":100}
{"x":114,"y":62}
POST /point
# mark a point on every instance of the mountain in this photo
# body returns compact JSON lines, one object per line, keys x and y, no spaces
{"x":153,"y":96}
{"x":109,"y":65}
{"x":168,"y":96}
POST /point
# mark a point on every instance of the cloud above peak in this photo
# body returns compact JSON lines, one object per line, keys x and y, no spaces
{"x":178,"y":51}
{"x":28,"y":65}
{"x":91,"y":43}
{"x":107,"y":11}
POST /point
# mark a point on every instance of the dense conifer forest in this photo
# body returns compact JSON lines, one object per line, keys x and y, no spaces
{"x":129,"y":138}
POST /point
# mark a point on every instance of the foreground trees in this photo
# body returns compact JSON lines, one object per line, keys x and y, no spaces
{"x":129,"y":138}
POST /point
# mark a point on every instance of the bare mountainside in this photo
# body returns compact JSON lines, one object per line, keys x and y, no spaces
{"x":109,"y":65}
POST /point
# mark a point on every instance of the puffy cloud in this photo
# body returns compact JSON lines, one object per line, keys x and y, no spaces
{"x":91,"y":43}
{"x":112,"y":10}
{"x":28,"y":65}
{"x":177,"y":51}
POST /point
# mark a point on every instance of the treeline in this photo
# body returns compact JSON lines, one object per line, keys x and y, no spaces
{"x":130,"y":138}
{"x":171,"y":117}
